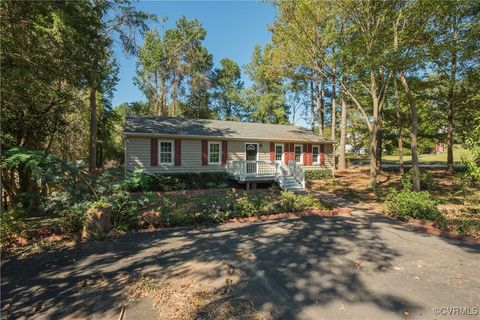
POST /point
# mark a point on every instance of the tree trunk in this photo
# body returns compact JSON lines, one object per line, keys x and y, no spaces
{"x":92,"y":145}
{"x":374,"y":131}
{"x":413,"y":109}
{"x":334,"y":107}
{"x":451,"y":101}
{"x":322,"y":102}
{"x":342,"y":163}
{"x":174,"y":96}
{"x":312,"y":106}
{"x":399,"y":127}
{"x":319,"y":107}
{"x":379,"y":142}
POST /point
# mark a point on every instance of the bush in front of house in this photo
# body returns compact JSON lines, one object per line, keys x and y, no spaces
{"x":426,"y":180}
{"x":317,"y":174}
{"x":186,"y":181}
{"x":407,"y":203}
{"x":253,"y":204}
{"x":140,"y":181}
{"x":291,"y":202}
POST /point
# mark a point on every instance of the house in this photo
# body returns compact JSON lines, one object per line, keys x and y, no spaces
{"x":249,"y":152}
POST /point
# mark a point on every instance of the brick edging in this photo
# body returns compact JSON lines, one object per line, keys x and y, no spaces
{"x":430,"y":228}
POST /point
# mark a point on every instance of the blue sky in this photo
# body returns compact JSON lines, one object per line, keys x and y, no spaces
{"x":233,"y":29}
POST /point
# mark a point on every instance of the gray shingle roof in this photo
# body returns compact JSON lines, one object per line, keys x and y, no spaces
{"x":155,"y":125}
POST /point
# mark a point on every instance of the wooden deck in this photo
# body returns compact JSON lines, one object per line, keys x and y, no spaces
{"x":248,"y":171}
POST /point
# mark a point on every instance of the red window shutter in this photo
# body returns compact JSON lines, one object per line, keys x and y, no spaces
{"x":305,"y":154}
{"x":224,"y":152}
{"x":287,"y":153}
{"x":322,"y":154}
{"x":178,"y":152}
{"x":292,"y":151}
{"x":204,"y":152}
{"x":153,"y":152}
{"x":272,"y":151}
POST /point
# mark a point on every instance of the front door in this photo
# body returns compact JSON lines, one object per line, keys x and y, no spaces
{"x":251,"y":152}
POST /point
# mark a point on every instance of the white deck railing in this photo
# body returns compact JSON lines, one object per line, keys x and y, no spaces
{"x":244,"y":169}
{"x":297,"y":171}
{"x":241,"y":169}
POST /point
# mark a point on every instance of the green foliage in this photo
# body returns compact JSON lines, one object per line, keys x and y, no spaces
{"x":228,"y":87}
{"x":73,"y":217}
{"x":11,"y":225}
{"x":426,"y":180}
{"x":265,"y":99}
{"x":253,"y":204}
{"x":141,"y":181}
{"x":125,"y":209}
{"x":138,"y":181}
{"x":317,"y":174}
{"x":412,"y":204}
{"x":291,"y":202}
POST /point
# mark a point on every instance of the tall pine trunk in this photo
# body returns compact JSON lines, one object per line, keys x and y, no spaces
{"x":322,"y":102}
{"x":312,"y":106}
{"x":342,"y":161}
{"x":399,"y":127}
{"x":334,"y":108}
{"x":451,"y":102}
{"x":413,"y":110}
{"x":92,"y":145}
{"x":319,"y":105}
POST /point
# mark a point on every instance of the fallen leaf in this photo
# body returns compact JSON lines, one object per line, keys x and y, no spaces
{"x":342,"y":307}
{"x":406,"y":313}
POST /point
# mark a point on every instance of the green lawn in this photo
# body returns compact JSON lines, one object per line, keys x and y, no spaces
{"x":433,"y":158}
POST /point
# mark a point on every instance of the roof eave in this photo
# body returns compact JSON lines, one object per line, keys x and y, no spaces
{"x":147,"y":134}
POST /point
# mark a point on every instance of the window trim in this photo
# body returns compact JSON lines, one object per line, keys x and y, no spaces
{"x":301,"y":153}
{"x":318,"y":155}
{"x":282,"y":145}
{"x":172,"y":142}
{"x":219,"y":152}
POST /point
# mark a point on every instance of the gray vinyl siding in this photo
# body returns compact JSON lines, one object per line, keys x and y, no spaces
{"x":138,"y":155}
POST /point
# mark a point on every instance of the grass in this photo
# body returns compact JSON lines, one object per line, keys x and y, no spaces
{"x":433,"y":158}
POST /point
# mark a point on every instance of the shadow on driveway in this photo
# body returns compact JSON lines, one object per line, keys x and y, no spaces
{"x":308,"y":268}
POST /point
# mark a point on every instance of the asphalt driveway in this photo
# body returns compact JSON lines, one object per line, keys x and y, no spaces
{"x":360,"y":267}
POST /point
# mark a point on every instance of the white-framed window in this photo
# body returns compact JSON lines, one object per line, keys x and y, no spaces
{"x":165,"y":151}
{"x":298,"y":153}
{"x":279,"y":152}
{"x":214,"y":152}
{"x":316,"y":154}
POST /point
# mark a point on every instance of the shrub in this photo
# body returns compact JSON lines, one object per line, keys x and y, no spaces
{"x":290,"y":202}
{"x":72,"y":219}
{"x":253,"y":204}
{"x":11,"y":225}
{"x":183,"y":181}
{"x":213,"y":211}
{"x":408,"y":203}
{"x":151,"y":218}
{"x":317,"y":174}
{"x":125,"y":209}
{"x":426,"y":180}
{"x":138,"y":181}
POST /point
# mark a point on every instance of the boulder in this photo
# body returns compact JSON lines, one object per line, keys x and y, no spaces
{"x":97,"y":222}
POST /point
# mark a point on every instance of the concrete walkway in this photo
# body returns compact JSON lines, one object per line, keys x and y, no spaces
{"x":361,"y":267}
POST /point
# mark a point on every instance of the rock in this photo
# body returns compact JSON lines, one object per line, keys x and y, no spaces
{"x":98,"y":221}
